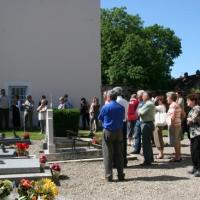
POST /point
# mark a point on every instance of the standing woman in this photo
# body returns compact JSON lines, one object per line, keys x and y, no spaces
{"x":16,"y":113}
{"x":158,"y":137}
{"x":84,"y":111}
{"x":42,"y":109}
{"x":181,"y":102}
{"x":174,"y":125}
{"x":94,"y":113}
{"x":193,"y":121}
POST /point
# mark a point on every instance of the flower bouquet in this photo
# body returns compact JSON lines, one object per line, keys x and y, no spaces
{"x":26,"y":190}
{"x":46,"y":189}
{"x":43,"y":160}
{"x":56,"y":169}
{"x":6,"y":187}
{"x":21,"y":149}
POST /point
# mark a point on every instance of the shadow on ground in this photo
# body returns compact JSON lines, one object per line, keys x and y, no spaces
{"x":165,"y":164}
{"x":61,"y":178}
{"x":157,"y":178}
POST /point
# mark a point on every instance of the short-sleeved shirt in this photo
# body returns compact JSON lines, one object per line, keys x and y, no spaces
{"x":123,"y":102}
{"x":112,"y":115}
{"x":174,"y":115}
{"x":147,"y":112}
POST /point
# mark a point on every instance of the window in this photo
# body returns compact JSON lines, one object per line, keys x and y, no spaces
{"x":21,"y":88}
{"x":17,"y":90}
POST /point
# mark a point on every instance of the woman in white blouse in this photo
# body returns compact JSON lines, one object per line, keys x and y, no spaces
{"x":158,"y":137}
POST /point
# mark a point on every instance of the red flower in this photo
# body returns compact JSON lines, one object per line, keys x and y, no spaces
{"x":22,"y":146}
{"x":56,"y":167}
{"x":26,"y":184}
{"x":43,"y":159}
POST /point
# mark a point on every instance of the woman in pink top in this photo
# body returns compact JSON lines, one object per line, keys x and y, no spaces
{"x":174,"y":125}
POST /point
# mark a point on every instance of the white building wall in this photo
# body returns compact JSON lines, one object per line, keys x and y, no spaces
{"x":53,"y":45}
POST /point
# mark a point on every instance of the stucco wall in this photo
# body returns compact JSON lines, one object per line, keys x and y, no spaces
{"x":54,"y":45}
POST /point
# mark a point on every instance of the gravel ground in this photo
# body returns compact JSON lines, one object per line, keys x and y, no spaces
{"x":163,"y":180}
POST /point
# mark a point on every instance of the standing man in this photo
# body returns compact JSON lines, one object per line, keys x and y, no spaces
{"x":112,"y":115}
{"x":123,"y":102}
{"x":147,"y":113}
{"x":137,"y":129}
{"x":4,"y":110}
{"x":68,"y":103}
{"x":132,"y":116}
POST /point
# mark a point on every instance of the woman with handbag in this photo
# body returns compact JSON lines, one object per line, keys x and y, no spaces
{"x":160,"y":122}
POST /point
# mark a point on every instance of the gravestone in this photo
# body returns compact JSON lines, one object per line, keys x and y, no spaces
{"x":49,"y":131}
{"x":8,"y":153}
{"x":83,"y":149}
{"x":19,"y":166}
{"x":10,"y":141}
{"x":16,"y":169}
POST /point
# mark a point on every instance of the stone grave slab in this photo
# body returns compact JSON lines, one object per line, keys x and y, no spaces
{"x":32,"y":176}
{"x":19,"y":166}
{"x":7,"y":154}
{"x":74,"y":154}
{"x":10,"y":141}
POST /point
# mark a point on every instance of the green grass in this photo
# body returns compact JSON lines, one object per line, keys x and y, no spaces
{"x":34,"y":135}
{"x":85,"y":133}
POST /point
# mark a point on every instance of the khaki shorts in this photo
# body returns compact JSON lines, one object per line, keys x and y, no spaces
{"x":174,"y":135}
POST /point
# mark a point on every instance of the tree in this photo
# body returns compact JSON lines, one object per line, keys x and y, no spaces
{"x":136,"y":55}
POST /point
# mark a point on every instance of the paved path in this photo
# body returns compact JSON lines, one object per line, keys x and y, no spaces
{"x":161,"y":181}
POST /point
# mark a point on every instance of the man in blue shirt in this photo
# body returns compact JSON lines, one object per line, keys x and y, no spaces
{"x":112,"y":115}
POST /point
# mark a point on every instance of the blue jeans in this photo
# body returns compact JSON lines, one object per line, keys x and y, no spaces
{"x":137,"y":136}
{"x":131,"y":128}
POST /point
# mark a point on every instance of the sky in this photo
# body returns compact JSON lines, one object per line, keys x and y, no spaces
{"x":182,"y":16}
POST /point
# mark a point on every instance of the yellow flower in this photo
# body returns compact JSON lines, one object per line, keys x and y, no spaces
{"x":46,"y":189}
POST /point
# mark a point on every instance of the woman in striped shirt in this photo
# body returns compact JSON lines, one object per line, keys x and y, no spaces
{"x":174,"y":125}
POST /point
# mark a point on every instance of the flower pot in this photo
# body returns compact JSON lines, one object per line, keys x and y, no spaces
{"x":22,"y":153}
{"x":56,"y":174}
{"x":42,"y":165}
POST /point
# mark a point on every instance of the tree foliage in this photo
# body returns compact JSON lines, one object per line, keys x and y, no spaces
{"x":136,"y":55}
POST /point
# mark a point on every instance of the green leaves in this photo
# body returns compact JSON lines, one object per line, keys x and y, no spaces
{"x":135,"y":55}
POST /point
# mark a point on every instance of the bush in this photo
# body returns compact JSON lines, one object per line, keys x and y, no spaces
{"x":66,"y":119}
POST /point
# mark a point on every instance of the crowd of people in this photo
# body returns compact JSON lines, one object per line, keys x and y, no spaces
{"x":138,"y":122}
{"x":21,"y":109}
{"x":145,"y":118}
{"x":22,"y":112}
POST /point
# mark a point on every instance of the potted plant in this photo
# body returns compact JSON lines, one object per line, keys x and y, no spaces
{"x":46,"y":189}
{"x":56,"y":169}
{"x":26,"y":190}
{"x":6,"y":187}
{"x":22,"y":149}
{"x":43,"y":160}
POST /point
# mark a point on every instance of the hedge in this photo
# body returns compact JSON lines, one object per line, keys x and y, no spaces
{"x":65,"y":119}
